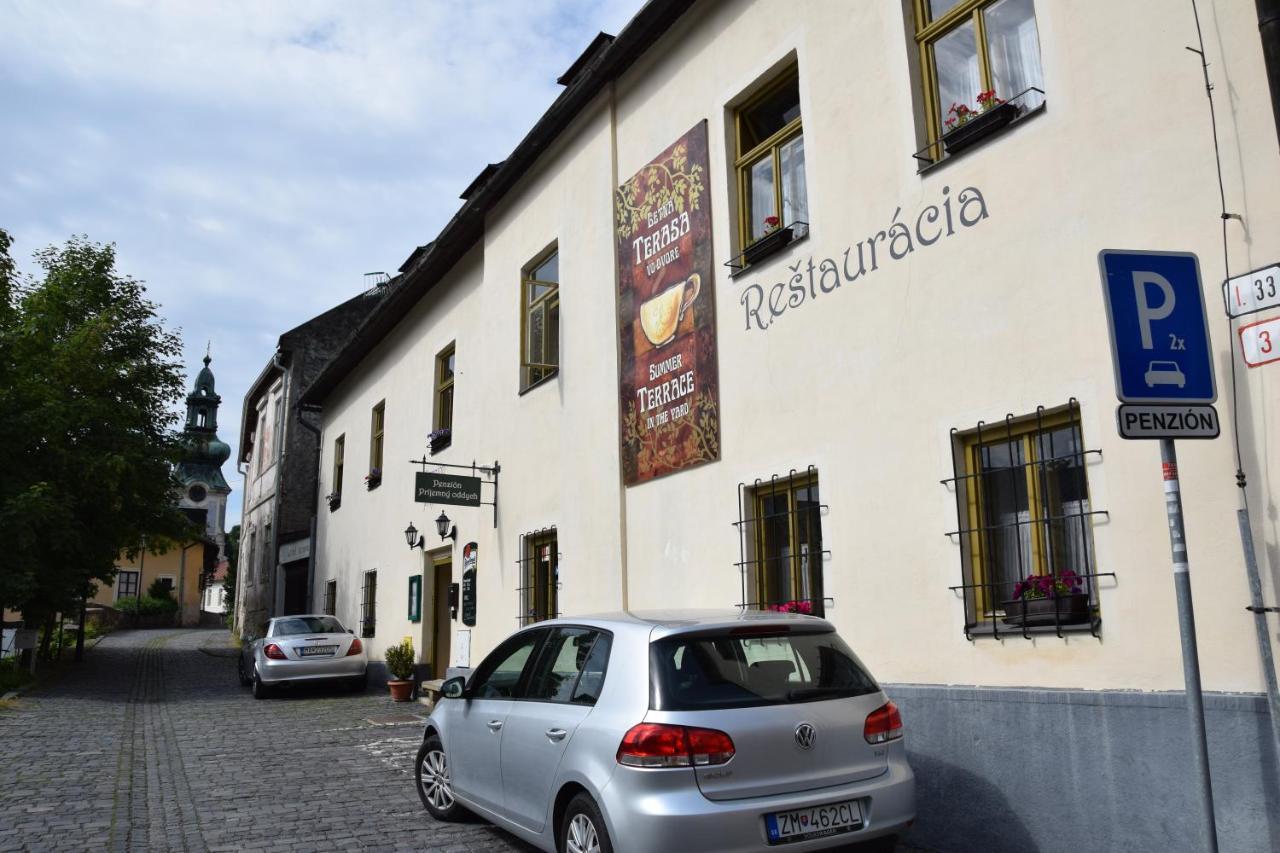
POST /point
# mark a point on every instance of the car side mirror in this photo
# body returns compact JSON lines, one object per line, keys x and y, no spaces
{"x":351,"y":631}
{"x":454,"y":688}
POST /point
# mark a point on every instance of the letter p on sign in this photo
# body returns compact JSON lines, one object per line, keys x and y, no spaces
{"x":1148,"y":313}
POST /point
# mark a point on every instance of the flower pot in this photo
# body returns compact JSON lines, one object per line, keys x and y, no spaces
{"x":400,"y":690}
{"x":767,"y":245}
{"x":438,"y":444}
{"x":1070,"y":609}
{"x":977,"y":129}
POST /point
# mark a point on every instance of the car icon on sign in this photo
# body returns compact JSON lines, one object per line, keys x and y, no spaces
{"x":1164,"y":373}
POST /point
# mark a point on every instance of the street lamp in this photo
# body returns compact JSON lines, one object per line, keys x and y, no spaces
{"x":411,"y":536}
{"x":444,"y":529}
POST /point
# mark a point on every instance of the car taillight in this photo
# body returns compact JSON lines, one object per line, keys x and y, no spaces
{"x":883,"y":724}
{"x":356,"y":648}
{"x":662,"y":745}
{"x":273,"y":651}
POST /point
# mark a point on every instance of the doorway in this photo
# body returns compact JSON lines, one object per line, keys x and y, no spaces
{"x":295,"y":588}
{"x":437,"y":626}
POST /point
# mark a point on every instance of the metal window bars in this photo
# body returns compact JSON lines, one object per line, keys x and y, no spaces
{"x":792,"y":559}
{"x":330,"y":597}
{"x":539,"y":590}
{"x":368,"y":604}
{"x":982,"y":584}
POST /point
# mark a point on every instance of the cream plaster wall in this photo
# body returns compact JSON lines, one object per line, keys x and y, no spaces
{"x":865,"y":384}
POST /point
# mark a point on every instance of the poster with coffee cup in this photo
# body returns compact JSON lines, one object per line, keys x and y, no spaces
{"x":669,"y":378}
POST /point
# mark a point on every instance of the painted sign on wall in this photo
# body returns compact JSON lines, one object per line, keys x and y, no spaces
{"x":668,"y":376}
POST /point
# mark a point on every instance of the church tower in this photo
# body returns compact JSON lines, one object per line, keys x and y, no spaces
{"x":204,"y":487}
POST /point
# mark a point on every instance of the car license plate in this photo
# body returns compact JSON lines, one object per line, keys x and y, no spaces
{"x":308,"y":651}
{"x":813,"y":822}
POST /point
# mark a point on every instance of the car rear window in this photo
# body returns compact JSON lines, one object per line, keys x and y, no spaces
{"x":307,"y":625}
{"x":728,"y":670}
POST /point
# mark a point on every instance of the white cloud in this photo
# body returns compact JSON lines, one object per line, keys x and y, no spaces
{"x":253,"y":160}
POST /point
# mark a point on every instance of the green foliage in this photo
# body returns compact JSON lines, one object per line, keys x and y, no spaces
{"x":400,"y":660}
{"x":159,"y":589}
{"x":229,"y":581}
{"x":146,"y":606}
{"x":89,"y":379}
{"x":11,"y":675}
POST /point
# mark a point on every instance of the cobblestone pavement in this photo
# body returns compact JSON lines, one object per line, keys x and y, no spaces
{"x":151,"y":744}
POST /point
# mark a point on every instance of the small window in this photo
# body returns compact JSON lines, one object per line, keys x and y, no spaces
{"x":567,"y":658}
{"x":442,"y":434}
{"x":368,"y":605}
{"x":969,"y":47}
{"x":540,"y":577}
{"x":499,"y":675}
{"x":540,"y":320}
{"x":254,"y":557}
{"x":783,"y":542}
{"x":339,"y":454}
{"x":331,"y":598}
{"x":772,"y":192}
{"x":126,"y":584}
{"x":267,"y":558}
{"x":378,"y":421}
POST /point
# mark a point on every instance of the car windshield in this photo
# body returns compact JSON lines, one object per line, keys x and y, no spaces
{"x":307,"y":625}
{"x":732,"y":670}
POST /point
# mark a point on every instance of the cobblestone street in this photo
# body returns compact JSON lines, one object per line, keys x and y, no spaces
{"x":151,"y":744}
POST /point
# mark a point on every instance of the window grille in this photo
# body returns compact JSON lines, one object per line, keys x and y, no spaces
{"x":539,"y":565}
{"x":368,"y":604}
{"x":781,"y":556}
{"x":1023,"y":510}
{"x":331,"y":598}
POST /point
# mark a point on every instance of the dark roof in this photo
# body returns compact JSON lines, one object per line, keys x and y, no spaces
{"x":481,"y":179}
{"x":603,"y":65}
{"x":598,"y":43}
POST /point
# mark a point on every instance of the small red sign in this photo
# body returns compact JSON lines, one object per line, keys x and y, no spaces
{"x":1260,"y":342}
{"x":1170,"y":470}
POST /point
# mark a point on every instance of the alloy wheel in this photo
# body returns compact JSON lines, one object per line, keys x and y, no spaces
{"x":435,"y":780}
{"x":582,"y":836}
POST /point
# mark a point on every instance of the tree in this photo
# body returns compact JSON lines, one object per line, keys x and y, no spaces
{"x":89,"y":380}
{"x":233,"y":562}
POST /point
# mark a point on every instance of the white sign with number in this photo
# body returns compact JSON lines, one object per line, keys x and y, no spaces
{"x":1252,"y":291}
{"x":1260,"y":342}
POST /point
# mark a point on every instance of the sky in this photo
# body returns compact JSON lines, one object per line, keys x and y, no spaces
{"x":251,"y":161}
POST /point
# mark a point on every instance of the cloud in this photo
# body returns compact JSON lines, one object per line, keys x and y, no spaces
{"x":253,"y":160}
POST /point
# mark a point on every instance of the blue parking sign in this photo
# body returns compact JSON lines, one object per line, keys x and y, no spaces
{"x":1159,"y":327}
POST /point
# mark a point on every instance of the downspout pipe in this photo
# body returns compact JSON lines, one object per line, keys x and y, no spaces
{"x":315,"y":501}
{"x":1269,"y":30}
{"x":277,"y":361}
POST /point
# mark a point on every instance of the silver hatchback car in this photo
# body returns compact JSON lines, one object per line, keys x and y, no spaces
{"x":668,"y":732}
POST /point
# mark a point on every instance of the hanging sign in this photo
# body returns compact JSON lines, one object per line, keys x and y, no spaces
{"x":469,"y":559}
{"x":668,"y":376}
{"x":431,"y":488}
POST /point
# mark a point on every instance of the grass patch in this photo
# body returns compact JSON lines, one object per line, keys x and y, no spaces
{"x":11,"y":677}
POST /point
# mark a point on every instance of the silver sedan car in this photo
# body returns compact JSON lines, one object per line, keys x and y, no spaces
{"x":302,"y":648}
{"x":669,"y":732}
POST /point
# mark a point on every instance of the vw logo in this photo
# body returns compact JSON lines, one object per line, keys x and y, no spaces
{"x":806,"y":735}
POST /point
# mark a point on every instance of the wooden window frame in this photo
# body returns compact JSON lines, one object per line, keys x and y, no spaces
{"x":444,"y":386}
{"x":369,"y":605}
{"x":137,"y":580}
{"x":545,"y":370}
{"x":331,"y":598}
{"x":540,"y":601}
{"x":744,"y":160}
{"x":787,"y":486}
{"x":377,"y":440}
{"x":339,"y":460}
{"x":929,"y":32}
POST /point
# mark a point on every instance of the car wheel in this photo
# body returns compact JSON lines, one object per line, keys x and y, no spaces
{"x":260,"y":690}
{"x":245,"y":680}
{"x":435,"y":784}
{"x":583,"y":829}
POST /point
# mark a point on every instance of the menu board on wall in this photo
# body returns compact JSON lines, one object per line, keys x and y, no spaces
{"x":668,"y":375}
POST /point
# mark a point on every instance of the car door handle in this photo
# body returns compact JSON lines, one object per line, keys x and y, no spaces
{"x":494,"y":725}
{"x":556,"y":734}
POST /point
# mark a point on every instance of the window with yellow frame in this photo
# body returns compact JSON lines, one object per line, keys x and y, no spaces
{"x":972,"y":46}
{"x":442,"y":422}
{"x":377,"y":424}
{"x":540,"y":319}
{"x":769,"y":161}
{"x":788,"y":553}
{"x":1025,"y":506}
{"x":540,"y":571}
{"x":339,"y":451}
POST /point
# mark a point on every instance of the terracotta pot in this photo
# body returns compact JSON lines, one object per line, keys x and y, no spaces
{"x":400,"y":690}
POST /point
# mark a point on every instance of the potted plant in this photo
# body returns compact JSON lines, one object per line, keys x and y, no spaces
{"x":334,"y":499}
{"x":966,"y":126}
{"x":802,"y":606}
{"x":400,"y":665}
{"x":439,"y":439}
{"x":373,"y":479}
{"x":1052,"y":599}
{"x":773,"y":238}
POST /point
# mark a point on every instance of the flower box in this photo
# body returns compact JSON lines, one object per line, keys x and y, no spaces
{"x":373,"y":479}
{"x":1072,"y":609}
{"x":979,"y":128}
{"x":767,"y":245}
{"x":439,"y":440}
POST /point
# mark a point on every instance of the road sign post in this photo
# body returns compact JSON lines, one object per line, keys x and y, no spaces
{"x":1163,"y":362}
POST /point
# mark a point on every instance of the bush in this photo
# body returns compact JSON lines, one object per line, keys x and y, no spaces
{"x":11,"y":675}
{"x":159,"y":589}
{"x":400,"y":660}
{"x":146,"y":606}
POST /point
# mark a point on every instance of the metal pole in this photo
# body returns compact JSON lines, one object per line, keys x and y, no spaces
{"x":1260,"y":623}
{"x":1187,"y":628}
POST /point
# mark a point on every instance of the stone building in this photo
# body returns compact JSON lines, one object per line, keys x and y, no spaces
{"x":753,"y":317}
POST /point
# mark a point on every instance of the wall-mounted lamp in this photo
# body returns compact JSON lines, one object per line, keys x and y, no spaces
{"x":444,"y":528}
{"x":411,"y":536}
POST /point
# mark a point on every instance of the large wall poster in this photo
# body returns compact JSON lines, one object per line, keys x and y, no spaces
{"x":669,"y":380}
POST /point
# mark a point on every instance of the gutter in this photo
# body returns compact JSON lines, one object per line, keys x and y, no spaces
{"x":1269,"y":30}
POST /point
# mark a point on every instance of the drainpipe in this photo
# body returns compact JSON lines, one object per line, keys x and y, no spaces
{"x":1269,"y":29}
{"x":235,"y":605}
{"x":277,"y":361}
{"x":315,"y":502}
